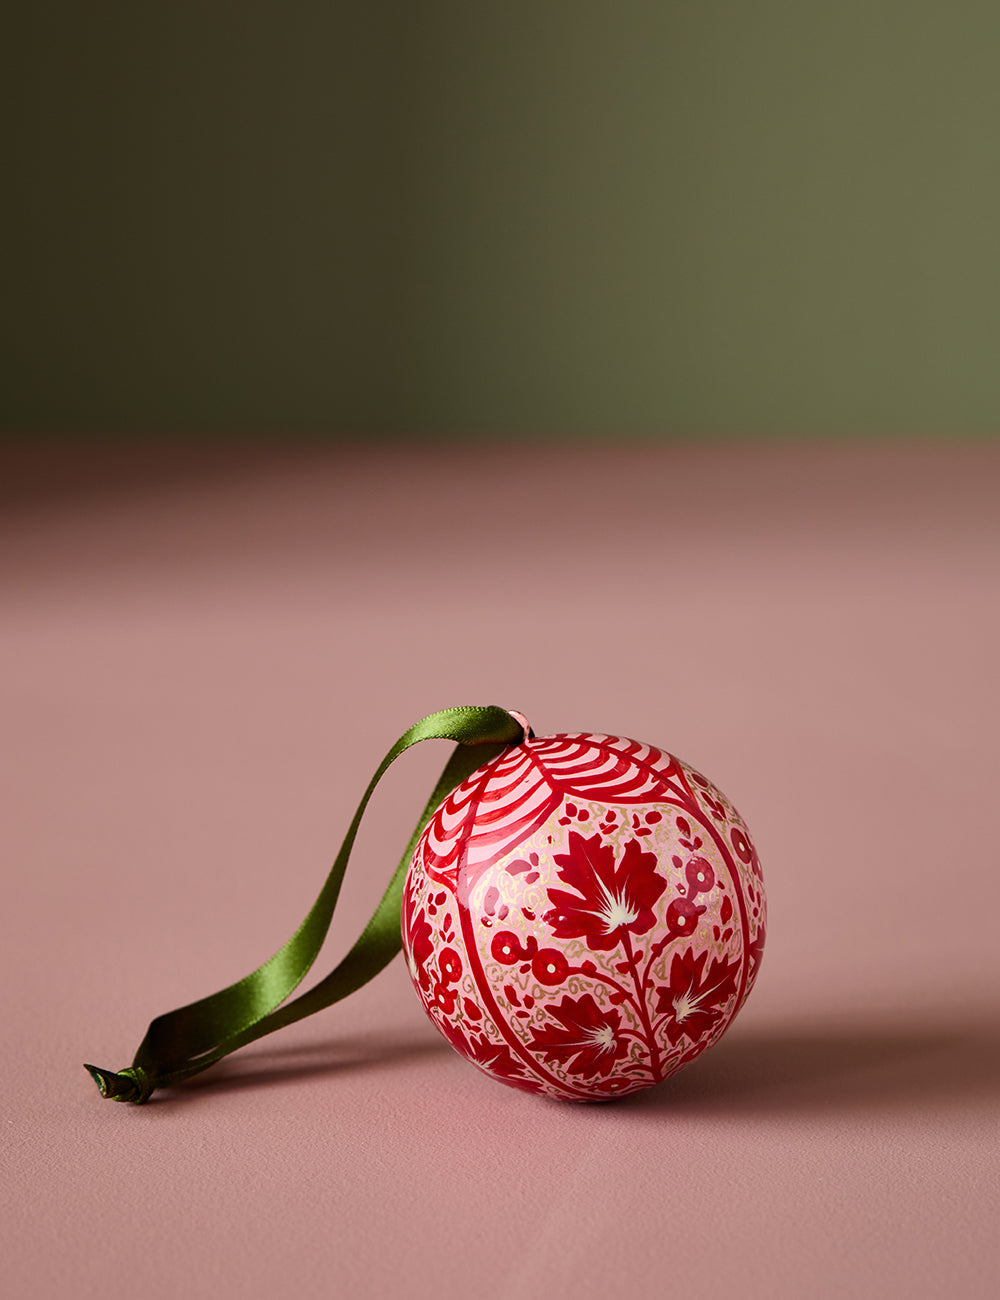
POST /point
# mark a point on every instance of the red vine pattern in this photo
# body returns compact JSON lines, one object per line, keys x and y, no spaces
{"x":584,"y":916}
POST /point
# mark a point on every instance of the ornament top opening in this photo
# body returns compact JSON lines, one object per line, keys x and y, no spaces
{"x":583,"y":916}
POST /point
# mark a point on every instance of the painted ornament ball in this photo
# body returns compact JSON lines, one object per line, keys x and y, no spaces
{"x":583,"y":916}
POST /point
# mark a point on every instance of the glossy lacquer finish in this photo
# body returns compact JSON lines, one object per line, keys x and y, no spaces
{"x":584,"y":916}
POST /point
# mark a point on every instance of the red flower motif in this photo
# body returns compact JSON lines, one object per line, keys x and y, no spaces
{"x":746,"y":851}
{"x":549,"y":966}
{"x":450,"y":966}
{"x":700,"y":876}
{"x":495,"y":1058}
{"x":585,"y":1040}
{"x":682,"y":917}
{"x":610,"y":901}
{"x":506,"y":948}
{"x":443,"y":998}
{"x":696,"y":998}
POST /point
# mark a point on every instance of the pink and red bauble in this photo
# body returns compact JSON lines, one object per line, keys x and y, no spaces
{"x":583,"y":916}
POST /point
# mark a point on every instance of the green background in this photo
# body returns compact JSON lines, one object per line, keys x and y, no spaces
{"x":414,"y":217}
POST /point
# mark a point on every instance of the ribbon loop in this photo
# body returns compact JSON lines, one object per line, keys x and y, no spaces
{"x":181,"y":1043}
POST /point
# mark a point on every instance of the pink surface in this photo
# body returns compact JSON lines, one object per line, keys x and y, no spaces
{"x":204,"y":659}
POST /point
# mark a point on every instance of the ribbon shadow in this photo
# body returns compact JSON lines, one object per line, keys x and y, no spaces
{"x":270,"y":1066}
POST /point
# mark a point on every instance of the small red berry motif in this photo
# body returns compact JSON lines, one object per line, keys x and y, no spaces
{"x":583,"y":916}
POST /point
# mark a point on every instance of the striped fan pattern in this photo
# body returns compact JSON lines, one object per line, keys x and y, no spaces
{"x":486,"y":817}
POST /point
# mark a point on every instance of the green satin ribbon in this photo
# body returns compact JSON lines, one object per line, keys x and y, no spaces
{"x":186,"y":1041}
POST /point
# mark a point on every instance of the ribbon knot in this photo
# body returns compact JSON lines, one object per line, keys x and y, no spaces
{"x":131,"y":1084}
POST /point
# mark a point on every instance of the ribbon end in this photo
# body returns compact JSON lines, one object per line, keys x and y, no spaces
{"x":117,"y":1087}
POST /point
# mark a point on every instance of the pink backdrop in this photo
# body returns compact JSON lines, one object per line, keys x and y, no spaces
{"x":205,"y":656}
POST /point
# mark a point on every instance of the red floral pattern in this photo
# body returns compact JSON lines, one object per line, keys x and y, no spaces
{"x":695,"y":999}
{"x":495,"y":1058}
{"x":595,"y":951}
{"x":747,"y":853}
{"x":610,"y":900}
{"x":584,"y":1038}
